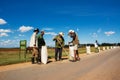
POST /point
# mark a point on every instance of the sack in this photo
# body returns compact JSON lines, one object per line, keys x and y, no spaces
{"x":71,"y":52}
{"x":44,"y":54}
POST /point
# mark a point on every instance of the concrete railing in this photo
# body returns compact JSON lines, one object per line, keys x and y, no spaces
{"x":88,"y":48}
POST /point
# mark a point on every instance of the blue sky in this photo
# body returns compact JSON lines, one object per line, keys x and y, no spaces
{"x":91,"y":19}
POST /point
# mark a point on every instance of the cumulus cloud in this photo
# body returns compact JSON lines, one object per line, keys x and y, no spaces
{"x":2,"y":21}
{"x":109,"y":33}
{"x":9,"y":43}
{"x":5,"y":30}
{"x":51,"y":33}
{"x":25,"y":28}
{"x":3,"y":34}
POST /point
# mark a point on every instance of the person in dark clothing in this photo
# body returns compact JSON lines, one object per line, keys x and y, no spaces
{"x":41,"y":42}
{"x":59,"y":44}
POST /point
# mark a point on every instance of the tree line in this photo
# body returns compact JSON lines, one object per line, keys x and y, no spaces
{"x":92,"y":45}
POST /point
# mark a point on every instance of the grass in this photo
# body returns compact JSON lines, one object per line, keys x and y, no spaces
{"x":12,"y":56}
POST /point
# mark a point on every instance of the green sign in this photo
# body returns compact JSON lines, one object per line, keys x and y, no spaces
{"x":23,"y":44}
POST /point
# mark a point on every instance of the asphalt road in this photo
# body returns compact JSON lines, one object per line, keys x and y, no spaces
{"x":102,"y":66}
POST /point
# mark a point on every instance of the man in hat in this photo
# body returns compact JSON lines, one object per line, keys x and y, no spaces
{"x":34,"y":45}
{"x":41,"y":42}
{"x":75,"y":43}
{"x":59,"y":44}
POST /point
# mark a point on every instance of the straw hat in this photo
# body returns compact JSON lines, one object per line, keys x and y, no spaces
{"x":61,"y":33}
{"x":71,"y":31}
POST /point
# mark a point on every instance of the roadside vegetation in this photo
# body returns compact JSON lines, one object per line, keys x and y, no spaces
{"x":14,"y":55}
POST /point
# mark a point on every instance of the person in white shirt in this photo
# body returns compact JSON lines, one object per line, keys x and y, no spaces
{"x":75,"y":42}
{"x":96,"y":46}
{"x":34,"y":45}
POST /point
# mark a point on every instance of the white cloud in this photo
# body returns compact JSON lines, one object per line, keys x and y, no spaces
{"x":9,"y":43}
{"x":5,"y":30}
{"x":51,"y":33}
{"x":94,"y":35}
{"x":3,"y":34}
{"x":109,"y":33}
{"x":25,"y":28}
{"x":5,"y":42}
{"x":2,"y":21}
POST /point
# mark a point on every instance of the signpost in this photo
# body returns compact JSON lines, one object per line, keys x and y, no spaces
{"x":23,"y":45}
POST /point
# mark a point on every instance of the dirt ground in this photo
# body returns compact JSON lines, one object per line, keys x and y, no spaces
{"x":97,"y":66}
{"x":28,"y":64}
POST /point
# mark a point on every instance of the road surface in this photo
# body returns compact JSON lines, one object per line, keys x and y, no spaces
{"x":102,"y":66}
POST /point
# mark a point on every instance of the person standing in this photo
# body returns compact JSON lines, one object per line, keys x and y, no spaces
{"x":34,"y":45}
{"x":41,"y":42}
{"x":75,"y":43}
{"x":96,"y":46}
{"x":59,"y":44}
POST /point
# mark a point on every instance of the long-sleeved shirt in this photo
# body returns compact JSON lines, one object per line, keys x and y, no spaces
{"x":75,"y":39}
{"x":41,"y":41}
{"x":59,"y":41}
{"x":33,"y":40}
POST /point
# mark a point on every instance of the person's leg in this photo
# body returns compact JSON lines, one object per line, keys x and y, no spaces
{"x":33,"y":55}
{"x":56,"y":53}
{"x":96,"y":50}
{"x":36,"y":54}
{"x":39,"y":54}
{"x":77,"y":53}
{"x":60,"y":53}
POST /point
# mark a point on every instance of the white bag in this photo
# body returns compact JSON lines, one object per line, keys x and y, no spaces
{"x":88,"y":51}
{"x":71,"y":52}
{"x":44,"y":54}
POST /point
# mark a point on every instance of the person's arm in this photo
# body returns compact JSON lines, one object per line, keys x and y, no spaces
{"x":55,"y":38}
{"x":35,"y":39}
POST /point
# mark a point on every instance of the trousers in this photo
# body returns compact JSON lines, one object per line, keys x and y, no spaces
{"x":58,"y":54}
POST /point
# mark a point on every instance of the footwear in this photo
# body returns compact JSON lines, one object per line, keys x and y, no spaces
{"x":55,"y":60}
{"x":39,"y":63}
{"x":78,"y":59}
{"x":72,"y":60}
{"x":60,"y":60}
{"x":32,"y":60}
{"x":37,"y":60}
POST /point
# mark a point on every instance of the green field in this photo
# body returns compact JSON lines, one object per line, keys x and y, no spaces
{"x":12,"y":56}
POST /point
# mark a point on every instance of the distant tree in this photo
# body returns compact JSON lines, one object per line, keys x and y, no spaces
{"x":110,"y":44}
{"x":118,"y":44}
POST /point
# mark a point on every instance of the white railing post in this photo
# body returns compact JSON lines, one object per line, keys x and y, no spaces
{"x":88,"y":51}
